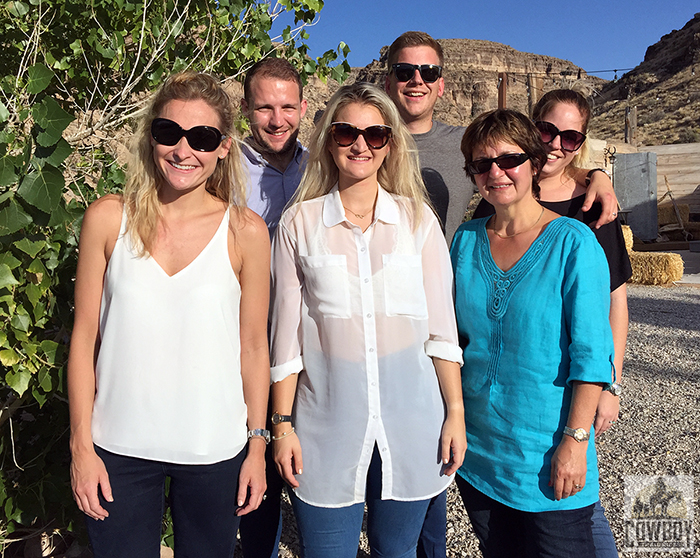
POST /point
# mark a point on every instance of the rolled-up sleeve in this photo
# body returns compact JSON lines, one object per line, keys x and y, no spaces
{"x":586,"y":298}
{"x":437,"y":279}
{"x":285,"y":309}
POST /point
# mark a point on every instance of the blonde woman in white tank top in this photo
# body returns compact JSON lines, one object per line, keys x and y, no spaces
{"x":169,"y":369}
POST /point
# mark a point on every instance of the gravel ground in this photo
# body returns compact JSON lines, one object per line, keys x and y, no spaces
{"x":659,"y":428}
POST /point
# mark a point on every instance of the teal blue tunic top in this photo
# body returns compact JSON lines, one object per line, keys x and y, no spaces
{"x":527,"y":333}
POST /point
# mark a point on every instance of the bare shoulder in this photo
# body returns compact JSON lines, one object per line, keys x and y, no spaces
{"x":249,"y":227}
{"x":105,"y":212}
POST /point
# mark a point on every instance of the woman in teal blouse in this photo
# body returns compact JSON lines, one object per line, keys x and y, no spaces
{"x":532,"y":310}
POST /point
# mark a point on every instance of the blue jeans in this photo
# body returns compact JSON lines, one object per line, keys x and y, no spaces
{"x":504,"y":532}
{"x":433,"y":537}
{"x":261,"y":530}
{"x":603,"y":538}
{"x":202,"y":502}
{"x":393,"y":527}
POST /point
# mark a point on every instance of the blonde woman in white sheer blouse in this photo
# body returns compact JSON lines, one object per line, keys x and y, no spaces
{"x":365,"y":358}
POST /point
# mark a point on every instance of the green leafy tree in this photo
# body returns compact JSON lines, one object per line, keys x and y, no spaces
{"x":72,"y":75}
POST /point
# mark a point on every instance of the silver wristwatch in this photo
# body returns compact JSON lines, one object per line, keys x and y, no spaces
{"x":260,"y":432}
{"x":578,"y":434}
{"x":614,"y":388}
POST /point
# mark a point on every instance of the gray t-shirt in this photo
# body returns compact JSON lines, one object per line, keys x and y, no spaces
{"x":442,"y":167}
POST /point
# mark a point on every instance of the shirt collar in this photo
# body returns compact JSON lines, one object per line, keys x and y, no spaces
{"x":249,"y":148}
{"x":387,"y":209}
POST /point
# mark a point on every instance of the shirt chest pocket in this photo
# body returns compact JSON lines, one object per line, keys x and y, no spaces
{"x":404,"y":291}
{"x":326,"y":284}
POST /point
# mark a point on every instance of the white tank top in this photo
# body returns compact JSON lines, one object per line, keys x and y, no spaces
{"x":168,"y":371}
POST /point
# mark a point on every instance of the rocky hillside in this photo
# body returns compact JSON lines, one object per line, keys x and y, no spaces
{"x":665,"y":88}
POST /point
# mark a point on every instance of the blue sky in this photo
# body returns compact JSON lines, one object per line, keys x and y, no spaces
{"x":593,"y":34}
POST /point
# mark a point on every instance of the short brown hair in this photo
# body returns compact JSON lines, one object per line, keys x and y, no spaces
{"x":413,"y":39}
{"x":275,"y":68}
{"x":508,"y":126}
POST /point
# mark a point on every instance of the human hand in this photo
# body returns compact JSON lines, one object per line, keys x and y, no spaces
{"x":251,"y":480}
{"x":88,"y":474}
{"x":287,"y":453}
{"x":568,"y":472}
{"x":454,"y":442}
{"x":607,"y":412}
{"x":600,"y":189}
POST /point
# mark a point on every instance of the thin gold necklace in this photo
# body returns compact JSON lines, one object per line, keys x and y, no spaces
{"x":358,"y":215}
{"x":499,"y":235}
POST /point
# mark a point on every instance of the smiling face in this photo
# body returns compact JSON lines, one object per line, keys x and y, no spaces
{"x":275,"y":112}
{"x":181,"y":167}
{"x":415,"y":98}
{"x":358,"y":162}
{"x":503,"y":187}
{"x":565,"y":116}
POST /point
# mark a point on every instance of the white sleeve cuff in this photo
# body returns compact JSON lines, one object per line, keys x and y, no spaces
{"x":280,"y":372}
{"x":444,"y":350}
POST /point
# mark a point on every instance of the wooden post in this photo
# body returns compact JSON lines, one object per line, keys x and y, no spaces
{"x":535,"y":85}
{"x":502,"y":85}
{"x":631,"y":125}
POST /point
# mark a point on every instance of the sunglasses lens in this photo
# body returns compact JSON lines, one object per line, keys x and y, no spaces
{"x":344,"y":134}
{"x":203,"y":138}
{"x":511,"y":161}
{"x":404,"y":72}
{"x":377,"y":136}
{"x":166,"y":132}
{"x":547,"y":131}
{"x":571,"y":140}
{"x":480,"y":166}
{"x":430,"y":73}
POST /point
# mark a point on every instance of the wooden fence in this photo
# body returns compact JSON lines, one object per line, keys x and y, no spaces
{"x":680,"y":164}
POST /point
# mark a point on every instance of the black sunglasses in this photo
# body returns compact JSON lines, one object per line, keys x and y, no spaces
{"x":200,"y":138}
{"x":571,"y":140}
{"x":345,"y":135}
{"x":429,"y":73}
{"x":509,"y":161}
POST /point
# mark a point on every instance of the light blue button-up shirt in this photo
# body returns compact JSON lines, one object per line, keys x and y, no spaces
{"x":270,"y":189}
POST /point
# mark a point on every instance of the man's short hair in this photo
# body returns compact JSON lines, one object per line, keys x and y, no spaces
{"x":413,"y":39}
{"x":275,"y":68}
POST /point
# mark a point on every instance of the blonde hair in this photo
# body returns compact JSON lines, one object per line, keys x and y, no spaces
{"x":144,"y":181}
{"x":399,"y":173}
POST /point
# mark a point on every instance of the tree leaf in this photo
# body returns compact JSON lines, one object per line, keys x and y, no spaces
{"x":13,"y":218}
{"x":17,"y":9}
{"x":7,"y":171}
{"x":43,"y":188}
{"x":21,"y":322}
{"x":9,"y":259}
{"x":8,"y":357}
{"x":54,"y":154}
{"x":7,"y":279}
{"x":19,"y":380}
{"x":52,"y":119}
{"x":49,"y":349}
{"x":33,"y":293}
{"x":30,"y":247}
{"x":3,"y":339}
{"x":4,"y":113}
{"x":39,"y":78}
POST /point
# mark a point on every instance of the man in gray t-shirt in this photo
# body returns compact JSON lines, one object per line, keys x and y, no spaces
{"x":415,"y":91}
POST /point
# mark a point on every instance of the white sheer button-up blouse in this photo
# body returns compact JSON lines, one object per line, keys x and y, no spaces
{"x":358,"y":316}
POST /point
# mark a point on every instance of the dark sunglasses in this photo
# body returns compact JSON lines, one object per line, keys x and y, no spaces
{"x":509,"y":161}
{"x":200,"y":138}
{"x":345,"y":135}
{"x":571,"y":140}
{"x":429,"y":73}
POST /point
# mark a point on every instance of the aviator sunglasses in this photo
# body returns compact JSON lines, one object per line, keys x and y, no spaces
{"x":571,"y":140}
{"x":429,"y":73}
{"x":505,"y":162}
{"x":199,"y":138}
{"x":345,"y":135}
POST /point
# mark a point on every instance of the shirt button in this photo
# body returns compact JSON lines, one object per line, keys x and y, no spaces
{"x":366,"y":280}
{"x":383,"y":449}
{"x":363,"y":249}
{"x":375,"y":417}
{"x":369,"y":315}
{"x":371,"y":349}
{"x":374,"y":383}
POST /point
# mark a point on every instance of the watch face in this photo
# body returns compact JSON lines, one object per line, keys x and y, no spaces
{"x":580,"y":435}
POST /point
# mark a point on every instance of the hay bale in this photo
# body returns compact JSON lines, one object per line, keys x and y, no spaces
{"x":667,"y":214}
{"x":655,"y":268}
{"x":629,"y":237}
